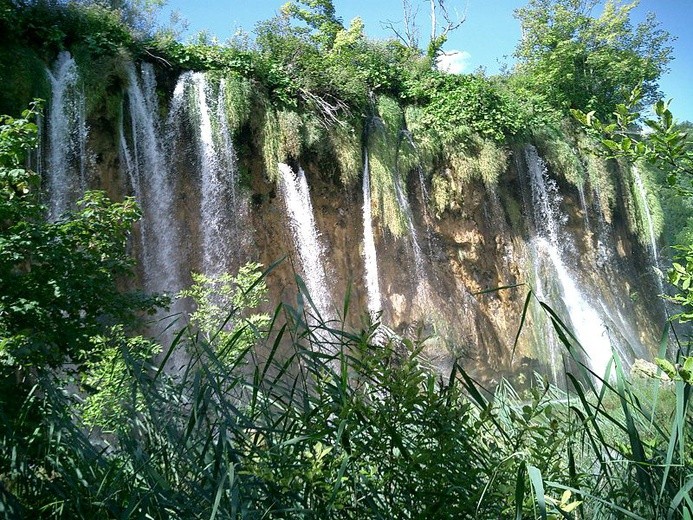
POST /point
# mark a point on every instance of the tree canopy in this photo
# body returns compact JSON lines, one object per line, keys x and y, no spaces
{"x":584,"y":62}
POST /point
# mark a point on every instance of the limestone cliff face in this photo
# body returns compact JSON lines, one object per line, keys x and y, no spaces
{"x":436,"y":282}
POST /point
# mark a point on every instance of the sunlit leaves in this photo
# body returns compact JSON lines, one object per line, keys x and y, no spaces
{"x":586,"y":61}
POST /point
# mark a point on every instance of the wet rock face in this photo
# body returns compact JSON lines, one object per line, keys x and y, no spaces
{"x":437,"y":284}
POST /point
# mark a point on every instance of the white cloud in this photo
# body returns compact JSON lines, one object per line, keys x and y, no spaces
{"x":454,"y":61}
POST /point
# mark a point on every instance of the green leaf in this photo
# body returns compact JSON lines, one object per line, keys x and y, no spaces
{"x":667,"y":367}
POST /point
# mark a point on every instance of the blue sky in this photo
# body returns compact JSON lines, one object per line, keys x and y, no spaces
{"x":486,"y":39}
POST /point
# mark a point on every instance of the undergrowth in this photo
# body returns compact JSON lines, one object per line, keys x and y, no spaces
{"x":328,"y":424}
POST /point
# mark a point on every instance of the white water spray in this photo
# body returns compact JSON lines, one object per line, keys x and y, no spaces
{"x":149,"y":174}
{"x":294,"y":187}
{"x":67,"y":137}
{"x":587,"y":324}
{"x":369,"y":251}
{"x":218,"y":169}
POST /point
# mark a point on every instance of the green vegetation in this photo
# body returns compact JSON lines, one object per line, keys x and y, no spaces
{"x":385,"y":140}
{"x":290,"y":416}
{"x":362,"y":432}
{"x":578,"y":61}
{"x":59,"y":279}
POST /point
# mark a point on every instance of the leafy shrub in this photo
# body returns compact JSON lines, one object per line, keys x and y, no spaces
{"x":222,"y":305}
{"x":456,"y":105}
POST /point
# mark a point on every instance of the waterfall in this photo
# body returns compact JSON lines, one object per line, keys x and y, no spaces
{"x":406,"y":211}
{"x":647,"y":213}
{"x":642,"y":192}
{"x":294,"y":188}
{"x":149,"y":175}
{"x":552,"y":343}
{"x":67,"y":137}
{"x":369,"y":251}
{"x":587,"y":325}
{"x":203,"y":105}
{"x":219,"y":172}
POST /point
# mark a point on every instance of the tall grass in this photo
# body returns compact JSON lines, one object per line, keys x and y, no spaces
{"x":367,"y":431}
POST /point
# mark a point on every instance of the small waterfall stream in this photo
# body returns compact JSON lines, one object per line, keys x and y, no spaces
{"x":369,"y":251}
{"x":642,"y":192}
{"x":416,"y":249}
{"x":587,"y":324}
{"x":647,"y":213}
{"x":149,"y":174}
{"x":583,"y":206}
{"x":201,"y":104}
{"x":218,"y":171}
{"x":67,"y":160}
{"x":294,"y":188}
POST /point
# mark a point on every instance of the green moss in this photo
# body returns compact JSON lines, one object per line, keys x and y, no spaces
{"x":513,"y":209}
{"x":560,"y":151}
{"x":271,"y":142}
{"x":23,"y":77}
{"x":428,"y":144}
{"x":345,"y":141}
{"x":646,"y":201}
{"x":291,"y":134}
{"x":238,"y":96}
{"x":314,"y":134}
{"x":493,"y":161}
{"x":480,"y":159}
{"x":602,"y":180}
{"x":446,"y":192}
{"x":383,"y":141}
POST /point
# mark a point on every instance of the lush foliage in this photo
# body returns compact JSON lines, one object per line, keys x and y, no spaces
{"x":337,"y":427}
{"x":59,"y":280}
{"x":454,"y":106}
{"x":290,"y":416}
{"x":585,"y":62}
{"x":220,"y":302}
{"x":59,"y":285}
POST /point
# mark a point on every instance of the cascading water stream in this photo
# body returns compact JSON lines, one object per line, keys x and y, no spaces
{"x":218,"y":169}
{"x":294,"y":188}
{"x":647,"y":213}
{"x":552,"y":342}
{"x":369,"y":251}
{"x":67,"y":137}
{"x":221,"y":209}
{"x":587,"y":324}
{"x":416,"y":249}
{"x":149,"y":174}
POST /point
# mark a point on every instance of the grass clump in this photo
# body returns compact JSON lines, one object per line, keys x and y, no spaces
{"x":428,"y":145}
{"x":270,"y":141}
{"x":290,"y":127}
{"x":238,"y":96}
{"x":345,"y":141}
